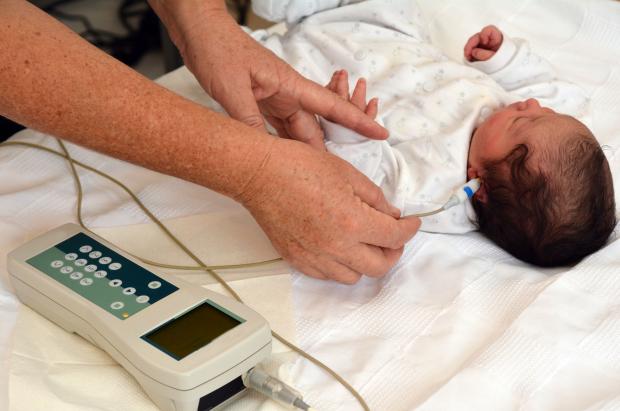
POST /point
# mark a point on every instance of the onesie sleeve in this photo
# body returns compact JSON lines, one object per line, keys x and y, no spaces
{"x":364,"y":154}
{"x":376,"y":159}
{"x":522,"y":72}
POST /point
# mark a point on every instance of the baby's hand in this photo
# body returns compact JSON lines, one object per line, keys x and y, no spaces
{"x":339,"y":84}
{"x":482,"y":46}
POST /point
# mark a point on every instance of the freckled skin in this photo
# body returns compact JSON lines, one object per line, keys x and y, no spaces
{"x":66,"y":87}
{"x":321,"y":214}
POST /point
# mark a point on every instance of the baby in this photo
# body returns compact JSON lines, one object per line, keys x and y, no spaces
{"x":546,"y":195}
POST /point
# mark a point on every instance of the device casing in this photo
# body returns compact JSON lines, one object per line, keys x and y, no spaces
{"x":173,"y":385}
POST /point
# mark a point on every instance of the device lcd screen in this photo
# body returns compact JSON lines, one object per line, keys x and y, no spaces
{"x":191,"y":331}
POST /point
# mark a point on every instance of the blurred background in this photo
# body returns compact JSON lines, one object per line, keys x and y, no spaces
{"x":128,"y":30}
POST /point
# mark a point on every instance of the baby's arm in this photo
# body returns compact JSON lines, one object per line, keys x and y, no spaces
{"x":376,"y":159}
{"x":513,"y":65}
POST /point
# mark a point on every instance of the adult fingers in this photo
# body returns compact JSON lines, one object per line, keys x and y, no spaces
{"x":318,"y":100}
{"x":393,"y":254}
{"x":278,"y":125}
{"x":311,"y":271}
{"x":369,"y":260}
{"x":303,"y":126}
{"x":372,"y":195}
{"x":338,"y":272}
{"x":384,"y":231}
{"x":240,"y":104}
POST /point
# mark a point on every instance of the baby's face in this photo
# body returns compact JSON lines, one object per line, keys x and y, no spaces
{"x":496,"y":137}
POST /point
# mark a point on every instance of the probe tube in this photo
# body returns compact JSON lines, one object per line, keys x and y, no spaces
{"x":462,"y":194}
{"x":275,"y":389}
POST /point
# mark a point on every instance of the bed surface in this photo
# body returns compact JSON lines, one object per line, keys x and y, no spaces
{"x":458,"y":324}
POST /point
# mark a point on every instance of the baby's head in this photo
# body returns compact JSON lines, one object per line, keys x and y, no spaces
{"x":547,"y":195}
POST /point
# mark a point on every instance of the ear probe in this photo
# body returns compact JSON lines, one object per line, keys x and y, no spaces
{"x":462,"y":194}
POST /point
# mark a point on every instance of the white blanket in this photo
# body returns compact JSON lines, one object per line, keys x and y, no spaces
{"x":458,"y":324}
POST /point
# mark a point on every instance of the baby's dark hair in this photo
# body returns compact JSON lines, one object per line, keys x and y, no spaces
{"x":554,"y":213}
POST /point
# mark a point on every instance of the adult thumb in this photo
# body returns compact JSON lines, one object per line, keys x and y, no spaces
{"x":371,"y":194}
{"x":240,"y":104}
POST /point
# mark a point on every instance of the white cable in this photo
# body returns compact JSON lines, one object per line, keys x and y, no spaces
{"x":462,"y":194}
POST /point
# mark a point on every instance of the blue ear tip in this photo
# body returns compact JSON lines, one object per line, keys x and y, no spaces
{"x":468,"y":191}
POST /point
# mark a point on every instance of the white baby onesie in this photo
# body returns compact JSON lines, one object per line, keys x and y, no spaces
{"x":429,"y":103}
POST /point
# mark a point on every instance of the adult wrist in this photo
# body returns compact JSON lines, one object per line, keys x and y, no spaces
{"x":258,"y":175}
{"x":184,"y":18}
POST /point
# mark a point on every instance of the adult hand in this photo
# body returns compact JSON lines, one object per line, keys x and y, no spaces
{"x":483,"y":45}
{"x":325,"y":217}
{"x":252,"y":83}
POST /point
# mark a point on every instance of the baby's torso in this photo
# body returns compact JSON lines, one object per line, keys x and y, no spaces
{"x":430,"y":104}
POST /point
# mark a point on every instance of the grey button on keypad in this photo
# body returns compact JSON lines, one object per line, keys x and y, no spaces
{"x":86,"y":281}
{"x":105,"y":260}
{"x":142,"y":299}
{"x":153,"y":285}
{"x":95,"y":254}
{"x":76,"y":275}
{"x":66,"y":269}
{"x":117,"y":305}
{"x":100,"y":274}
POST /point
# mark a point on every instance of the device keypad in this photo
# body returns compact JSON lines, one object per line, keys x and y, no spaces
{"x":101,"y":275}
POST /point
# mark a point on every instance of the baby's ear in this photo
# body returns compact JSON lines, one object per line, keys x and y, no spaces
{"x":481,"y":194}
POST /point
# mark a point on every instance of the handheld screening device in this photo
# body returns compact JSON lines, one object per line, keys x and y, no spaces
{"x":188,"y":347}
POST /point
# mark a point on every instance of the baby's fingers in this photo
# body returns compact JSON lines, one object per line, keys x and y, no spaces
{"x":359,"y":94}
{"x":331,"y":86}
{"x":470,"y":45}
{"x":482,"y":54}
{"x":491,"y":37}
{"x":342,"y":85}
{"x":373,"y":108}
